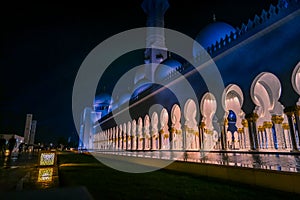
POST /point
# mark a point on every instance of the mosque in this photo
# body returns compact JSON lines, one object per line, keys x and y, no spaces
{"x":257,"y":109}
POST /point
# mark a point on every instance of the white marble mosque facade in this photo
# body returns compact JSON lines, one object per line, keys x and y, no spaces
{"x":275,"y":130}
{"x":270,"y":127}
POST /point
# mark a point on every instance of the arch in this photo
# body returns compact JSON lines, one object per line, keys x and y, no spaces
{"x":134,"y":135}
{"x":121,"y":139}
{"x":265,"y":92}
{"x":164,"y":119}
{"x":176,"y":116}
{"x":124,"y":136}
{"x":155,"y":135}
{"x":129,"y":142}
{"x":232,"y":99}
{"x":176,"y":132}
{"x":296,"y":80}
{"x":191,"y":128}
{"x":139,"y":134}
{"x":190,"y":112}
{"x":208,"y":106}
{"x":233,"y":137}
{"x":117,"y":138}
{"x":146,"y":132}
{"x":113,"y":138}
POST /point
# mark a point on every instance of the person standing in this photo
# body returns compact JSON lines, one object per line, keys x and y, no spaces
{"x":11,"y":144}
{"x":2,"y":145}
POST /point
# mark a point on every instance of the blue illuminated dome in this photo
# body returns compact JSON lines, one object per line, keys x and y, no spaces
{"x":141,"y":86}
{"x":125,"y":98}
{"x":165,"y":68}
{"x":211,"y":34}
{"x":102,"y":102}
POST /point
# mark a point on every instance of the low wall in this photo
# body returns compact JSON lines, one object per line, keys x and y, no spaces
{"x":285,"y":181}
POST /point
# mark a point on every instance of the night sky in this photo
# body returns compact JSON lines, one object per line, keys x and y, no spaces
{"x":43,"y":45}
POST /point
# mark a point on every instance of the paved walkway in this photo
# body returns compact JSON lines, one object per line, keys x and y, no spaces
{"x":21,"y":172}
{"x":278,"y":161}
{"x":22,"y":178}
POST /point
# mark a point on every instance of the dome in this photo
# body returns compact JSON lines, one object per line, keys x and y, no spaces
{"x":102,"y":102}
{"x":141,"y":86}
{"x":124,"y":98}
{"x":139,"y":75}
{"x":211,"y":34}
{"x":162,"y":71}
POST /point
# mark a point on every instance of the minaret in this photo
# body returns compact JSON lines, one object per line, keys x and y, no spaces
{"x":156,"y":50}
{"x":27,"y":128}
{"x":32,"y":132}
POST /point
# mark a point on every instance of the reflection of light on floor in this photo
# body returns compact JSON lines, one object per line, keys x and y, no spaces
{"x":270,"y":161}
{"x":6,"y":153}
{"x":45,"y":174}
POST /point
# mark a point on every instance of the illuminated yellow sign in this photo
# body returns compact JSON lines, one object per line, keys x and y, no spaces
{"x":45,"y":174}
{"x":47,"y":158}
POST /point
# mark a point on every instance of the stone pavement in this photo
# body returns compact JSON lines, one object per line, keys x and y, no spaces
{"x":21,"y":177}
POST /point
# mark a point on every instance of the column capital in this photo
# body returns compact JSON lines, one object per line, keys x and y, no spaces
{"x":260,"y":128}
{"x":277,"y":119}
{"x":208,"y":131}
{"x":202,"y":125}
{"x":251,"y":117}
{"x":285,"y":126}
{"x":268,"y":125}
{"x":225,"y":121}
{"x":297,"y":110}
{"x":245,"y":123}
{"x":289,"y":111}
{"x":172,"y":130}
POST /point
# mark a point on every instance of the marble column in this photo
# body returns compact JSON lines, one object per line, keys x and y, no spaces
{"x":277,"y":120}
{"x":223,"y":135}
{"x":172,"y":138}
{"x":261,"y":138}
{"x":184,"y":137}
{"x":246,"y":133}
{"x":268,"y":127}
{"x":290,"y":112}
{"x":297,"y":117}
{"x":252,"y":118}
{"x":287,"y":136}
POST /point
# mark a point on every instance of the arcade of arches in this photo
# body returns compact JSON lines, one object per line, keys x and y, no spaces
{"x":270,"y":127}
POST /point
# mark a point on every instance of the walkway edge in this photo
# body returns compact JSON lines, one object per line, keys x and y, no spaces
{"x":279,"y":180}
{"x":285,"y":181}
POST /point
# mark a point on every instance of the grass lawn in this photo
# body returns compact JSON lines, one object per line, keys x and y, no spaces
{"x":106,"y":183}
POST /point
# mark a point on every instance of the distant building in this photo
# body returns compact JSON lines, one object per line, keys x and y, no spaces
{"x":32,"y":132}
{"x":30,"y":129}
{"x":27,"y":128}
{"x":19,"y":139}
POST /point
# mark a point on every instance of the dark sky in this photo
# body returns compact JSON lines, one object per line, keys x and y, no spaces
{"x":43,"y":45}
